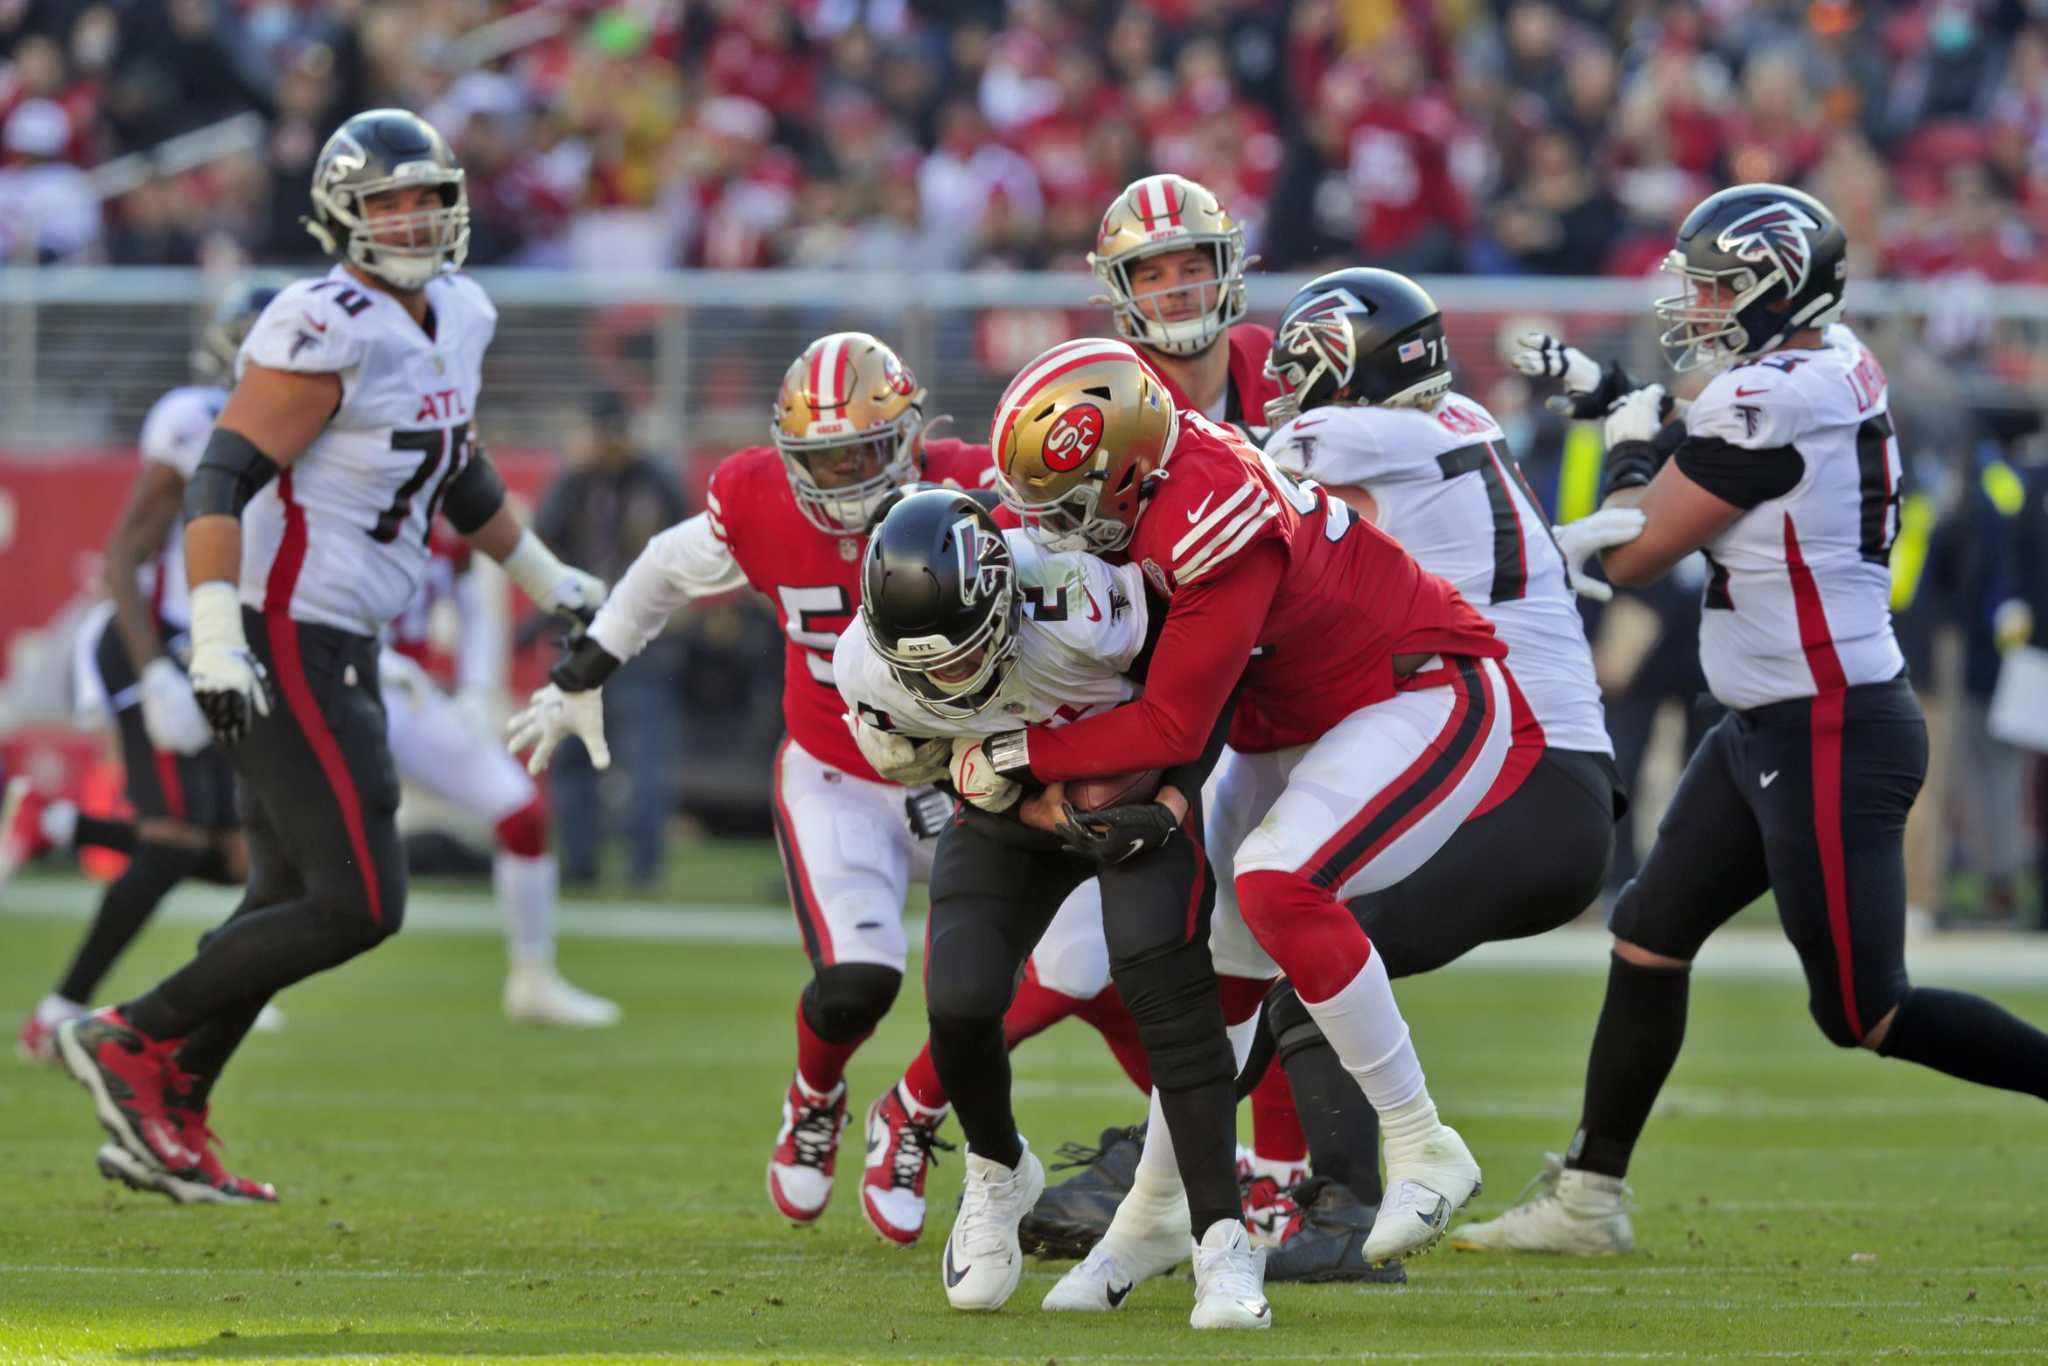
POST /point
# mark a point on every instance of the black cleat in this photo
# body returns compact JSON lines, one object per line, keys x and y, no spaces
{"x":1329,"y":1242}
{"x":1071,"y":1217}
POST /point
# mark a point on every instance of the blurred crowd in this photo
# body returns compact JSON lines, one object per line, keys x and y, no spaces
{"x":1528,"y":136}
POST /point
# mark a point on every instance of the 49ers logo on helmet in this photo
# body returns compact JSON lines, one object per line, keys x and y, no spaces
{"x":897,"y":375}
{"x":1073,"y":438}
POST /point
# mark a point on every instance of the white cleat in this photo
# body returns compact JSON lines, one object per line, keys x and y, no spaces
{"x":1131,"y":1253}
{"x":1230,"y":1280}
{"x":1571,"y":1213}
{"x":983,"y":1261}
{"x":536,"y":994}
{"x":1426,"y":1185}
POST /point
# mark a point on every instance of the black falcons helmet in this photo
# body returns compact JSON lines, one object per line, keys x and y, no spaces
{"x":378,"y":151}
{"x":1756,"y":264}
{"x":1358,"y":336}
{"x":939,"y":599}
{"x":233,"y":316}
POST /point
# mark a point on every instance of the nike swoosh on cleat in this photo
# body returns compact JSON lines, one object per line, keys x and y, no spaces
{"x":1116,"y":1296}
{"x":954,"y":1277}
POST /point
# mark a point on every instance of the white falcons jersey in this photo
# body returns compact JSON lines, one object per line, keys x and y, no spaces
{"x":175,"y":434}
{"x":340,"y":537}
{"x":1448,"y":489}
{"x":1798,"y":596}
{"x":1083,"y":624}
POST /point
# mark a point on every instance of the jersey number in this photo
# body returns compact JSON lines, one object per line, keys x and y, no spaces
{"x":350,"y":301}
{"x":803,"y":611}
{"x":1876,"y":451}
{"x":436,"y":443}
{"x":1510,"y":550}
{"x":1306,"y":496}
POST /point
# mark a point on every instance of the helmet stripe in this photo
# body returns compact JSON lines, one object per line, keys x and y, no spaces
{"x":1062,"y":359}
{"x":1173,"y":205}
{"x":841,"y":388}
{"x":1142,"y":193}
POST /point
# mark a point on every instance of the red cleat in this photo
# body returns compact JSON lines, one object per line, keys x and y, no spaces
{"x":37,"y":1042}
{"x":127,"y":1071}
{"x":900,"y":1148}
{"x":206,"y":1182}
{"x":806,"y":1150}
{"x":1270,"y":1212}
{"x":21,"y":826}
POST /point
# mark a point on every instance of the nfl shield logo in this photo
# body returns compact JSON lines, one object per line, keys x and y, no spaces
{"x":1410,"y":350}
{"x":1157,"y":577}
{"x":849,"y":549}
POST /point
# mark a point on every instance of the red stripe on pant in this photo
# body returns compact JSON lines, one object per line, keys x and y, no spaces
{"x":802,"y":898}
{"x":167,"y":780}
{"x":298,"y":692}
{"x":1826,"y":730}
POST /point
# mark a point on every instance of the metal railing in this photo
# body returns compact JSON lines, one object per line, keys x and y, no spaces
{"x":84,"y":351}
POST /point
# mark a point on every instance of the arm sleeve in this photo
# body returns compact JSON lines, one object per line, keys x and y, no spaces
{"x":686,"y":561}
{"x":1203,"y":648}
{"x":480,"y":635}
{"x":1740,"y":475}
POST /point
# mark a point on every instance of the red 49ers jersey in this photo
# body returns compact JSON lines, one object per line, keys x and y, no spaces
{"x":409,"y":633}
{"x":1349,"y":600}
{"x":812,"y":578}
{"x":1250,"y":387}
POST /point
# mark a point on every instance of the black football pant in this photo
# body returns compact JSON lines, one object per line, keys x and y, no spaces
{"x":326,"y":868}
{"x":1531,"y":864}
{"x":1805,"y":799}
{"x":995,"y":886}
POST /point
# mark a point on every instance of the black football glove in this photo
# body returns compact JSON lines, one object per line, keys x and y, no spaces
{"x":1116,"y":833}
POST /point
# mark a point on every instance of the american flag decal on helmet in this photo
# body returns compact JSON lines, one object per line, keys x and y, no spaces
{"x":1775,"y":233}
{"x":1319,"y":326}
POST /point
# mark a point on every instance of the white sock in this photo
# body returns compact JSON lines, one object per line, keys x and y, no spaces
{"x":54,"y":1010}
{"x":526,"y":894}
{"x":1155,"y":1198}
{"x":1364,"y":1025}
{"x":918,"y":1111}
{"x":1156,"y":1158}
{"x":59,"y":822}
{"x":1280,"y":1169}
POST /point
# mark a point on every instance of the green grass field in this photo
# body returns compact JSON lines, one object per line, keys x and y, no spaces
{"x":456,"y":1188}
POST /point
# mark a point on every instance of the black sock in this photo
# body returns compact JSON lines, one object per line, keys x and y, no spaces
{"x":217,"y":868}
{"x":207,"y":1049}
{"x":255,"y":954}
{"x":974,"y":1064}
{"x":125,"y":906}
{"x":1203,"y":1122}
{"x":103,"y":834}
{"x":1342,"y":1128}
{"x":1969,"y":1037}
{"x":1642,"y":1027}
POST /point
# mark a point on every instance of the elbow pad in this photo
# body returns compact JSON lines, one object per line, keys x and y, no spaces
{"x":474,"y":495}
{"x":230,"y":473}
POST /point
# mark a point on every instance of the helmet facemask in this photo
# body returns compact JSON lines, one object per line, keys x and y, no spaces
{"x":880,"y":461}
{"x":1136,"y":312}
{"x":405,"y":250}
{"x":1702,"y":322}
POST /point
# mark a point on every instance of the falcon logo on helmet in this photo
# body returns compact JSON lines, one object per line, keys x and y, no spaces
{"x":1319,"y":328}
{"x":1775,"y":234}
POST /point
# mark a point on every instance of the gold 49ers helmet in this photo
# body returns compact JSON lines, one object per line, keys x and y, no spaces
{"x":1076,"y":435}
{"x":849,"y":422}
{"x":1164,"y":213}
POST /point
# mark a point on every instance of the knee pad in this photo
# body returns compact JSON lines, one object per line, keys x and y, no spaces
{"x":1294,"y":1029}
{"x":525,"y":831}
{"x":1172,"y":996}
{"x":844,"y":1002}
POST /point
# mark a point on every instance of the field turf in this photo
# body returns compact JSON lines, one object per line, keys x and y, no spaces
{"x":454,"y":1187}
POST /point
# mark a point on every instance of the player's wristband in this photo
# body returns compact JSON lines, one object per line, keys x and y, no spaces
{"x":216,"y":607}
{"x":534,"y":567}
{"x":1009,"y":754}
{"x":586,"y":666}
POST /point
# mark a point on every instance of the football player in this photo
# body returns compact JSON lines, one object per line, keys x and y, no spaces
{"x":1374,"y":717}
{"x":790,"y":519}
{"x":347,"y":430}
{"x":179,"y":782}
{"x":968,"y":632}
{"x":445,"y":745}
{"x":1431,"y":468}
{"x":1785,"y":471}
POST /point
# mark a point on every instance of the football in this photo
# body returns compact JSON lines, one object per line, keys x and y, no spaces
{"x":1117,"y":789}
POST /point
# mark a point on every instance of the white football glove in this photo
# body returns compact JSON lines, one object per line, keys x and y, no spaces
{"x":1581,"y":540}
{"x":1636,"y":416}
{"x":977,"y":781}
{"x":170,"y":713}
{"x":899,"y":758}
{"x":1542,"y":356}
{"x":552,"y":716}
{"x":228,"y":682}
